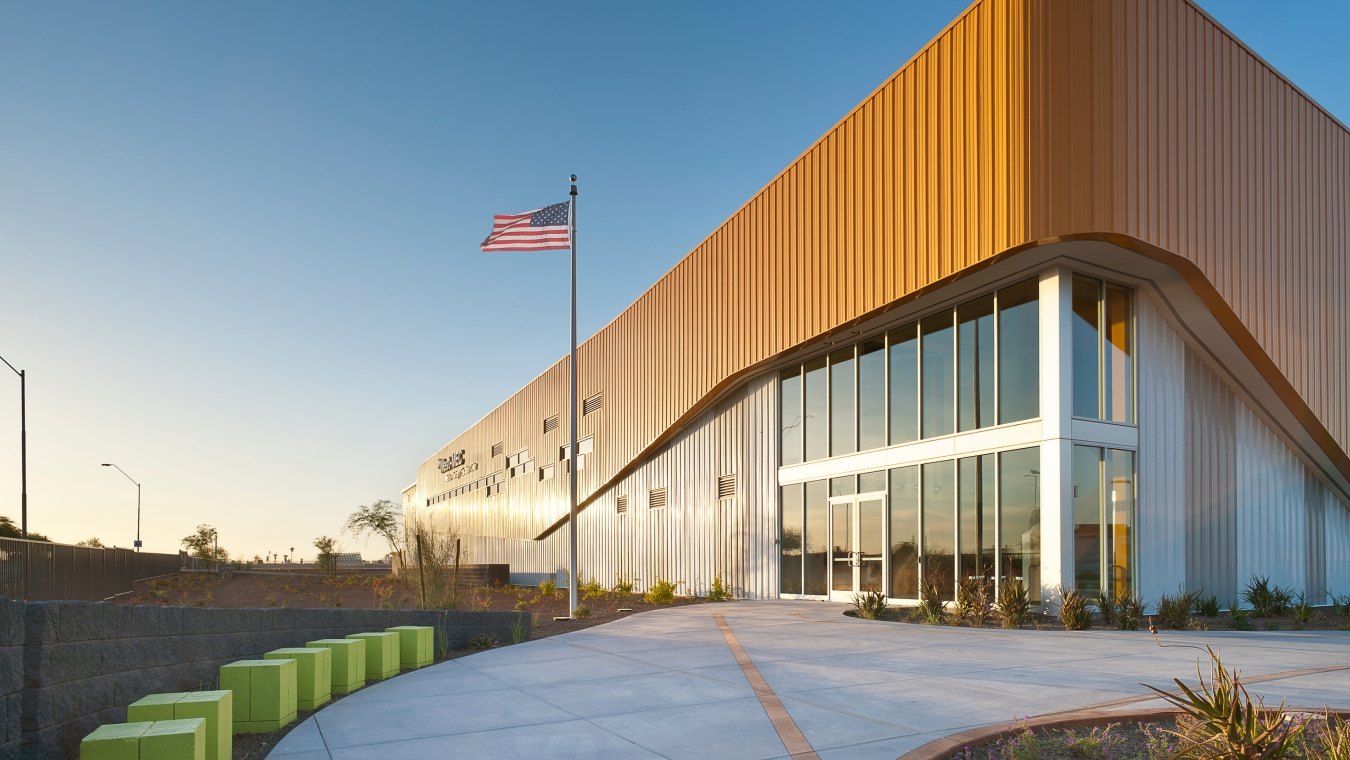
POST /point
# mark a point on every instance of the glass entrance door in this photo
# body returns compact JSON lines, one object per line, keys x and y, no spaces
{"x":857,"y":543}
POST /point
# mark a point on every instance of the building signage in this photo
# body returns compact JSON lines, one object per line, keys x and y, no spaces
{"x":456,"y":459}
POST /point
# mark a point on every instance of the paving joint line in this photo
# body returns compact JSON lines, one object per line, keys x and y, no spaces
{"x":794,"y":741}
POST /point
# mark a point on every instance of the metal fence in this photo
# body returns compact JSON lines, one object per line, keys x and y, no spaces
{"x":40,"y":571}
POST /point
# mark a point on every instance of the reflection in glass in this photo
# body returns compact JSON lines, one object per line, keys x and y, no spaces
{"x":790,"y":545}
{"x":905,"y":533}
{"x":817,"y":537}
{"x":872,"y":482}
{"x":817,"y":431}
{"x":1019,"y":496}
{"x":976,"y":505}
{"x":1086,"y":345}
{"x":904,"y":360}
{"x":1118,"y":357}
{"x":1019,"y":352}
{"x":1120,"y":511}
{"x":1087,"y":520}
{"x":939,"y":527}
{"x":938,"y":375}
{"x":841,"y":556}
{"x":975,"y":364}
{"x":870,"y":544}
{"x":844,"y":485}
{"x":790,"y":415}
{"x":843,"y":389}
{"x":872,"y":394}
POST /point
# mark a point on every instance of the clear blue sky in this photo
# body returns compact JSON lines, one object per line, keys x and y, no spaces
{"x":238,"y":242}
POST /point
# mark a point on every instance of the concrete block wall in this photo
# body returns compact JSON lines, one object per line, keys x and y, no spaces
{"x":67,"y":667}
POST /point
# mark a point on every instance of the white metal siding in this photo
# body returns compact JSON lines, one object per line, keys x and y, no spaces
{"x":1336,"y":518}
{"x":1161,"y":524}
{"x":1211,"y":504}
{"x":1272,"y":525}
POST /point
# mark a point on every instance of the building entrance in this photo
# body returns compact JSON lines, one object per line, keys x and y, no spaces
{"x":857,"y":556}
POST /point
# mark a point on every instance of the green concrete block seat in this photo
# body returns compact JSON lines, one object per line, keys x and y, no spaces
{"x":415,"y":644}
{"x":147,"y":740}
{"x":215,"y":707}
{"x":313,"y":674}
{"x":348,"y":663}
{"x":264,"y":694}
{"x":381,"y":654}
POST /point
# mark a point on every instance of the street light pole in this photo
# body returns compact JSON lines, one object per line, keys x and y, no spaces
{"x":138,"y":503}
{"x":23,"y":447}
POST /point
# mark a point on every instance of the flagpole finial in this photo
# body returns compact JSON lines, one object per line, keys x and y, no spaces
{"x":574,"y":185}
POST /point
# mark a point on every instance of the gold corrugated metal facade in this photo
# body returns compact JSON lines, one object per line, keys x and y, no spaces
{"x":1025,"y":121}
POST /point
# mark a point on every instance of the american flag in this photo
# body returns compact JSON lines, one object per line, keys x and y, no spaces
{"x":542,"y":229}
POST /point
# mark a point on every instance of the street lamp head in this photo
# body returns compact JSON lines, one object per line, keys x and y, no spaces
{"x":105,"y":464}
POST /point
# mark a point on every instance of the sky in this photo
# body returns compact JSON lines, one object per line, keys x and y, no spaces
{"x":239,"y":242}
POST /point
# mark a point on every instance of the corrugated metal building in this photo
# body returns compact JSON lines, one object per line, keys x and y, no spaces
{"x":1062,"y":301}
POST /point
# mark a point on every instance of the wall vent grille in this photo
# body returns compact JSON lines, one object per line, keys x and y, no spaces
{"x":726,"y":486}
{"x":656,"y":499}
{"x":551,"y":424}
{"x":593,"y":404}
{"x":621,"y":504}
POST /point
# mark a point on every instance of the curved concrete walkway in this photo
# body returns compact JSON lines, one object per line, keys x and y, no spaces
{"x":668,"y":684}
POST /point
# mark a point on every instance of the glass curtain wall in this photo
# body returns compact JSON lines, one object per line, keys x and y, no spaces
{"x":939,"y":527}
{"x":976,"y":516}
{"x":958,"y":370}
{"x":1019,"y":504}
{"x":904,"y":501}
{"x":1103,"y":351}
{"x":817,"y":556}
{"x":1103,"y":517}
{"x":790,"y":545}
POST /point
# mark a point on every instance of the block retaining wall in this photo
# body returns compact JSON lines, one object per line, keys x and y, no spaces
{"x":67,"y":667}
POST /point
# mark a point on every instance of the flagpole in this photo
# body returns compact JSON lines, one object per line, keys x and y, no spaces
{"x":572,"y":580}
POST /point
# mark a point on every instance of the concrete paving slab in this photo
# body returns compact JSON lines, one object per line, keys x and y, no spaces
{"x":665,"y":684}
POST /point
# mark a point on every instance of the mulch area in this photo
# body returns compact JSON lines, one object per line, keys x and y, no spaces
{"x":1324,"y":619}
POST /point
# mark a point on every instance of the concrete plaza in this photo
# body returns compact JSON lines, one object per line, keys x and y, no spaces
{"x":667,"y":684}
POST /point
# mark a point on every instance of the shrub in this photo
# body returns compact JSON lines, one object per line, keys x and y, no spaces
{"x":1073,"y":610}
{"x":1129,"y":611}
{"x":592,"y":589}
{"x":1239,"y":616}
{"x":1106,"y":608}
{"x":972,"y":601}
{"x":1302,"y":612}
{"x":1220,"y":720}
{"x":1267,"y":600}
{"x":518,"y":629}
{"x":548,"y":587}
{"x":623,"y":585}
{"x":481,"y":641}
{"x":582,"y":611}
{"x":661,"y":592}
{"x":869,"y":604}
{"x":1175,"y":611}
{"x":930,"y":600}
{"x":1207,"y":606}
{"x":718,"y":592}
{"x":1012,"y":607}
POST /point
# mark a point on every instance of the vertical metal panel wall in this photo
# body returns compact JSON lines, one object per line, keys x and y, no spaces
{"x":1336,"y":519}
{"x":1023,"y":121}
{"x":1161,"y":527}
{"x":1211,"y":486}
{"x":1272,"y":535}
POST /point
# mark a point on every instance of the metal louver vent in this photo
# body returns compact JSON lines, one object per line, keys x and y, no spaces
{"x":551,"y":424}
{"x":656,"y":499}
{"x":593,"y":404}
{"x":621,"y":504}
{"x":496,"y":449}
{"x":726,"y":486}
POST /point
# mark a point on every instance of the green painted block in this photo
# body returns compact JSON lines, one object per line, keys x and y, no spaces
{"x":381,"y":654}
{"x":348,"y":663}
{"x":415,"y":645}
{"x":313,"y":674}
{"x":175,"y":740}
{"x":154,"y":707}
{"x":264,"y":694}
{"x":114,"y":741}
{"x":217,"y":709}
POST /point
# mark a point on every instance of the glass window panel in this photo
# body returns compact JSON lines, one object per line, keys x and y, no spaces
{"x":790,"y":544}
{"x":939,"y":527}
{"x":872,"y":394}
{"x":1087,"y":520}
{"x":938,"y":374}
{"x":975,"y":364}
{"x":904,"y":500}
{"x":871,"y":482}
{"x":871,"y":518}
{"x":841,"y":529}
{"x":1019,"y":352}
{"x":817,"y":429}
{"x":1086,"y":345}
{"x":790,"y":415}
{"x":846,"y":485}
{"x":1120,"y":512}
{"x":976,"y":525}
{"x":1118,"y":357}
{"x":843,"y":393}
{"x":816,"y":559}
{"x":1019,"y":497}
{"x":904,"y":380}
